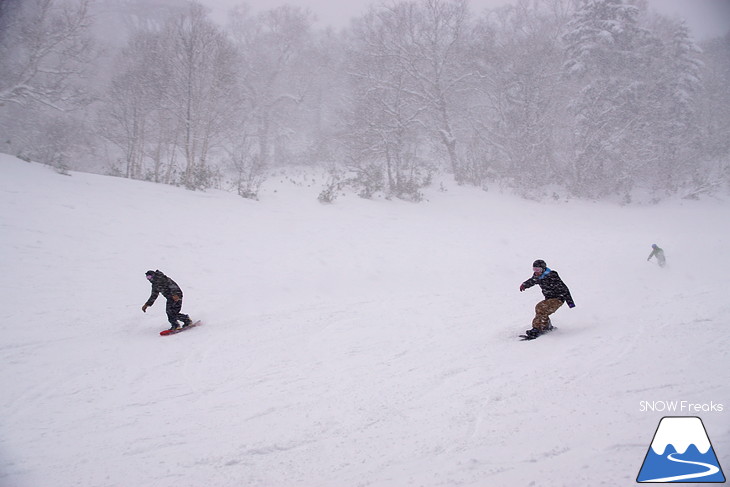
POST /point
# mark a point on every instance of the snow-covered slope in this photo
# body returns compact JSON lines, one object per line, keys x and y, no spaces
{"x":365,"y":343}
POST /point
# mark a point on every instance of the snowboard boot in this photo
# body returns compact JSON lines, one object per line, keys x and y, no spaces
{"x":187,"y":323}
{"x":533,"y":333}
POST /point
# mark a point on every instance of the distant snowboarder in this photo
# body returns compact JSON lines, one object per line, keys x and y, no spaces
{"x":659,"y":254}
{"x":555,"y":291}
{"x":174,"y":295}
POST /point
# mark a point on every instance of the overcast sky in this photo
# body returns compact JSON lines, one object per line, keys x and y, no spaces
{"x":706,"y":18}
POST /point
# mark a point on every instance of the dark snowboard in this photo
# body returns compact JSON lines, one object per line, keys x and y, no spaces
{"x":525,"y":338}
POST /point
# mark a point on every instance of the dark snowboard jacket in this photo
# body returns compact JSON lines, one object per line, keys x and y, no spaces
{"x":552,"y":286}
{"x":163,"y":284}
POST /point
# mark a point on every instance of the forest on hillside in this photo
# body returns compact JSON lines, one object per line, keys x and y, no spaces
{"x":580,"y":98}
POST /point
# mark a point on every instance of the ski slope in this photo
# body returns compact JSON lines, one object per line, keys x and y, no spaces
{"x":363,"y":343}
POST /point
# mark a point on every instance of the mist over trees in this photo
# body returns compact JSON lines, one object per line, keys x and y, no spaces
{"x":576,"y":98}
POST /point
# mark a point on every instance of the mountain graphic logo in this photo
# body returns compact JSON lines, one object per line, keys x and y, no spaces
{"x":681,"y":452}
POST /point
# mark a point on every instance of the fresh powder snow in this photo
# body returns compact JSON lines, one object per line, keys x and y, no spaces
{"x":361,"y":343}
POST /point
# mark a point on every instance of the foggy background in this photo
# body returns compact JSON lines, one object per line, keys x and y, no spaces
{"x":619,"y":99}
{"x":705,"y":18}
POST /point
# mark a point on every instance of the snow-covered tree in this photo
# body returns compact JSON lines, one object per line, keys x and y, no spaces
{"x":613,"y":59}
{"x":716,"y":99}
{"x":274,"y":73}
{"x":173,"y":98}
{"x":519,"y":97}
{"x":678,"y":132}
{"x":45,"y":49}
{"x":134,"y":116}
{"x":201,"y":62}
{"x":45,"y":82}
{"x":386,"y":121}
{"x":425,"y":42}
{"x":714,"y":114}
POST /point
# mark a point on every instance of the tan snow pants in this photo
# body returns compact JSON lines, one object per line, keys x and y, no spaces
{"x":543,"y":310}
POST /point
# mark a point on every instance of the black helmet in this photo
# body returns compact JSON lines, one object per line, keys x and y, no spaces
{"x":540,"y":263}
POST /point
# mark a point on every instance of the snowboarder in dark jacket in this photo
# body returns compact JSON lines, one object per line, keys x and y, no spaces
{"x":172,"y":293}
{"x":555,"y":292}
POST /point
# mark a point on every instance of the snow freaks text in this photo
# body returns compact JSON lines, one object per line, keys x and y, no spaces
{"x":680,"y":407}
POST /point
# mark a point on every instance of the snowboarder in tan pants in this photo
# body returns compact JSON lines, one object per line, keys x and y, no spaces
{"x":555,"y":292}
{"x":543,"y":310}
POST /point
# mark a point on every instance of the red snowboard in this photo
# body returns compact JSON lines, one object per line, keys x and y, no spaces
{"x":174,"y":332}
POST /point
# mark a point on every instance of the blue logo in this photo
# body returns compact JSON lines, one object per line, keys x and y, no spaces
{"x":681,"y":452}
